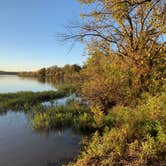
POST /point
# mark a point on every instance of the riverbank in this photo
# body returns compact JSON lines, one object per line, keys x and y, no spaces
{"x":129,"y":136}
{"x":115,"y":138}
{"x":25,"y":100}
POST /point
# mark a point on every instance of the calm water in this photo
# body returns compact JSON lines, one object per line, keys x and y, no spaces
{"x":13,"y":83}
{"x":20,"y":145}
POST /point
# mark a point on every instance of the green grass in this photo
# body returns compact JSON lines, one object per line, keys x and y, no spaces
{"x":72,"y":114}
{"x":25,"y":100}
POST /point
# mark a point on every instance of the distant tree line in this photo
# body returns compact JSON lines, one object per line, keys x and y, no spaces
{"x":68,"y":73}
{"x":8,"y":73}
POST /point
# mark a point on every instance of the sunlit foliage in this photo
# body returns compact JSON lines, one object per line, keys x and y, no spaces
{"x":66,"y":74}
{"x":131,"y":136}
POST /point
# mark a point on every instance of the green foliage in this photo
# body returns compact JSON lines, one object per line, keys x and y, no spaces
{"x":26,"y":100}
{"x":72,"y":114}
{"x":132,"y":136}
{"x":67,"y":88}
{"x":106,"y":82}
{"x":112,"y":80}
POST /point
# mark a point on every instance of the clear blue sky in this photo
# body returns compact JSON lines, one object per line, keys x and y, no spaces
{"x":27,"y":34}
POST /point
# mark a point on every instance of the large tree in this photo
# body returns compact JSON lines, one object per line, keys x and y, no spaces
{"x":132,"y":29}
{"x":132,"y":32}
{"x":129,"y":26}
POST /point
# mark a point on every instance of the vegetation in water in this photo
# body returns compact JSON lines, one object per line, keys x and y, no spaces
{"x":25,"y":100}
{"x":72,"y":114}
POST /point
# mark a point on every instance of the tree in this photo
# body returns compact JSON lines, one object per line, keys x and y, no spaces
{"x":42,"y":72}
{"x":131,"y":27}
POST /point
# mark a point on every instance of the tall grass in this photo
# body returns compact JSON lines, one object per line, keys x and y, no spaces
{"x":25,"y":100}
{"x":72,"y":114}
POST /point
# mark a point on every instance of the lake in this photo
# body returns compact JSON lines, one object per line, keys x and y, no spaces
{"x":20,"y":144}
{"x":13,"y":83}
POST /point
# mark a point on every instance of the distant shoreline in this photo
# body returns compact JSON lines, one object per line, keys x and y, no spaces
{"x":8,"y":73}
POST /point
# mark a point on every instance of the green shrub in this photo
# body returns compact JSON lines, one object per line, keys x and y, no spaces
{"x":132,"y":136}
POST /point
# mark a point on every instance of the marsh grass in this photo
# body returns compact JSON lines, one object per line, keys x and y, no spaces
{"x":74,"y":115}
{"x":25,"y":100}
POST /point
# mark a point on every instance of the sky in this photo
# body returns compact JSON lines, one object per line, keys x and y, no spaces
{"x":28,"y":30}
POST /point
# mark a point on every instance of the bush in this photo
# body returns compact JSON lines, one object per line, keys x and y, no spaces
{"x":132,"y":136}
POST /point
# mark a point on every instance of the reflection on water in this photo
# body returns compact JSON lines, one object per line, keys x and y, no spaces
{"x":62,"y":101}
{"x":21,"y":146}
{"x":13,"y":83}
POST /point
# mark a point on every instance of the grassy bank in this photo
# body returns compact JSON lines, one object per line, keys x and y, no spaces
{"x":130,"y":136}
{"x":25,"y":100}
{"x":125,"y":136}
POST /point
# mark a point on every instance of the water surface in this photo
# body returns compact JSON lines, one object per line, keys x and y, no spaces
{"x":20,"y":145}
{"x":14,"y":83}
